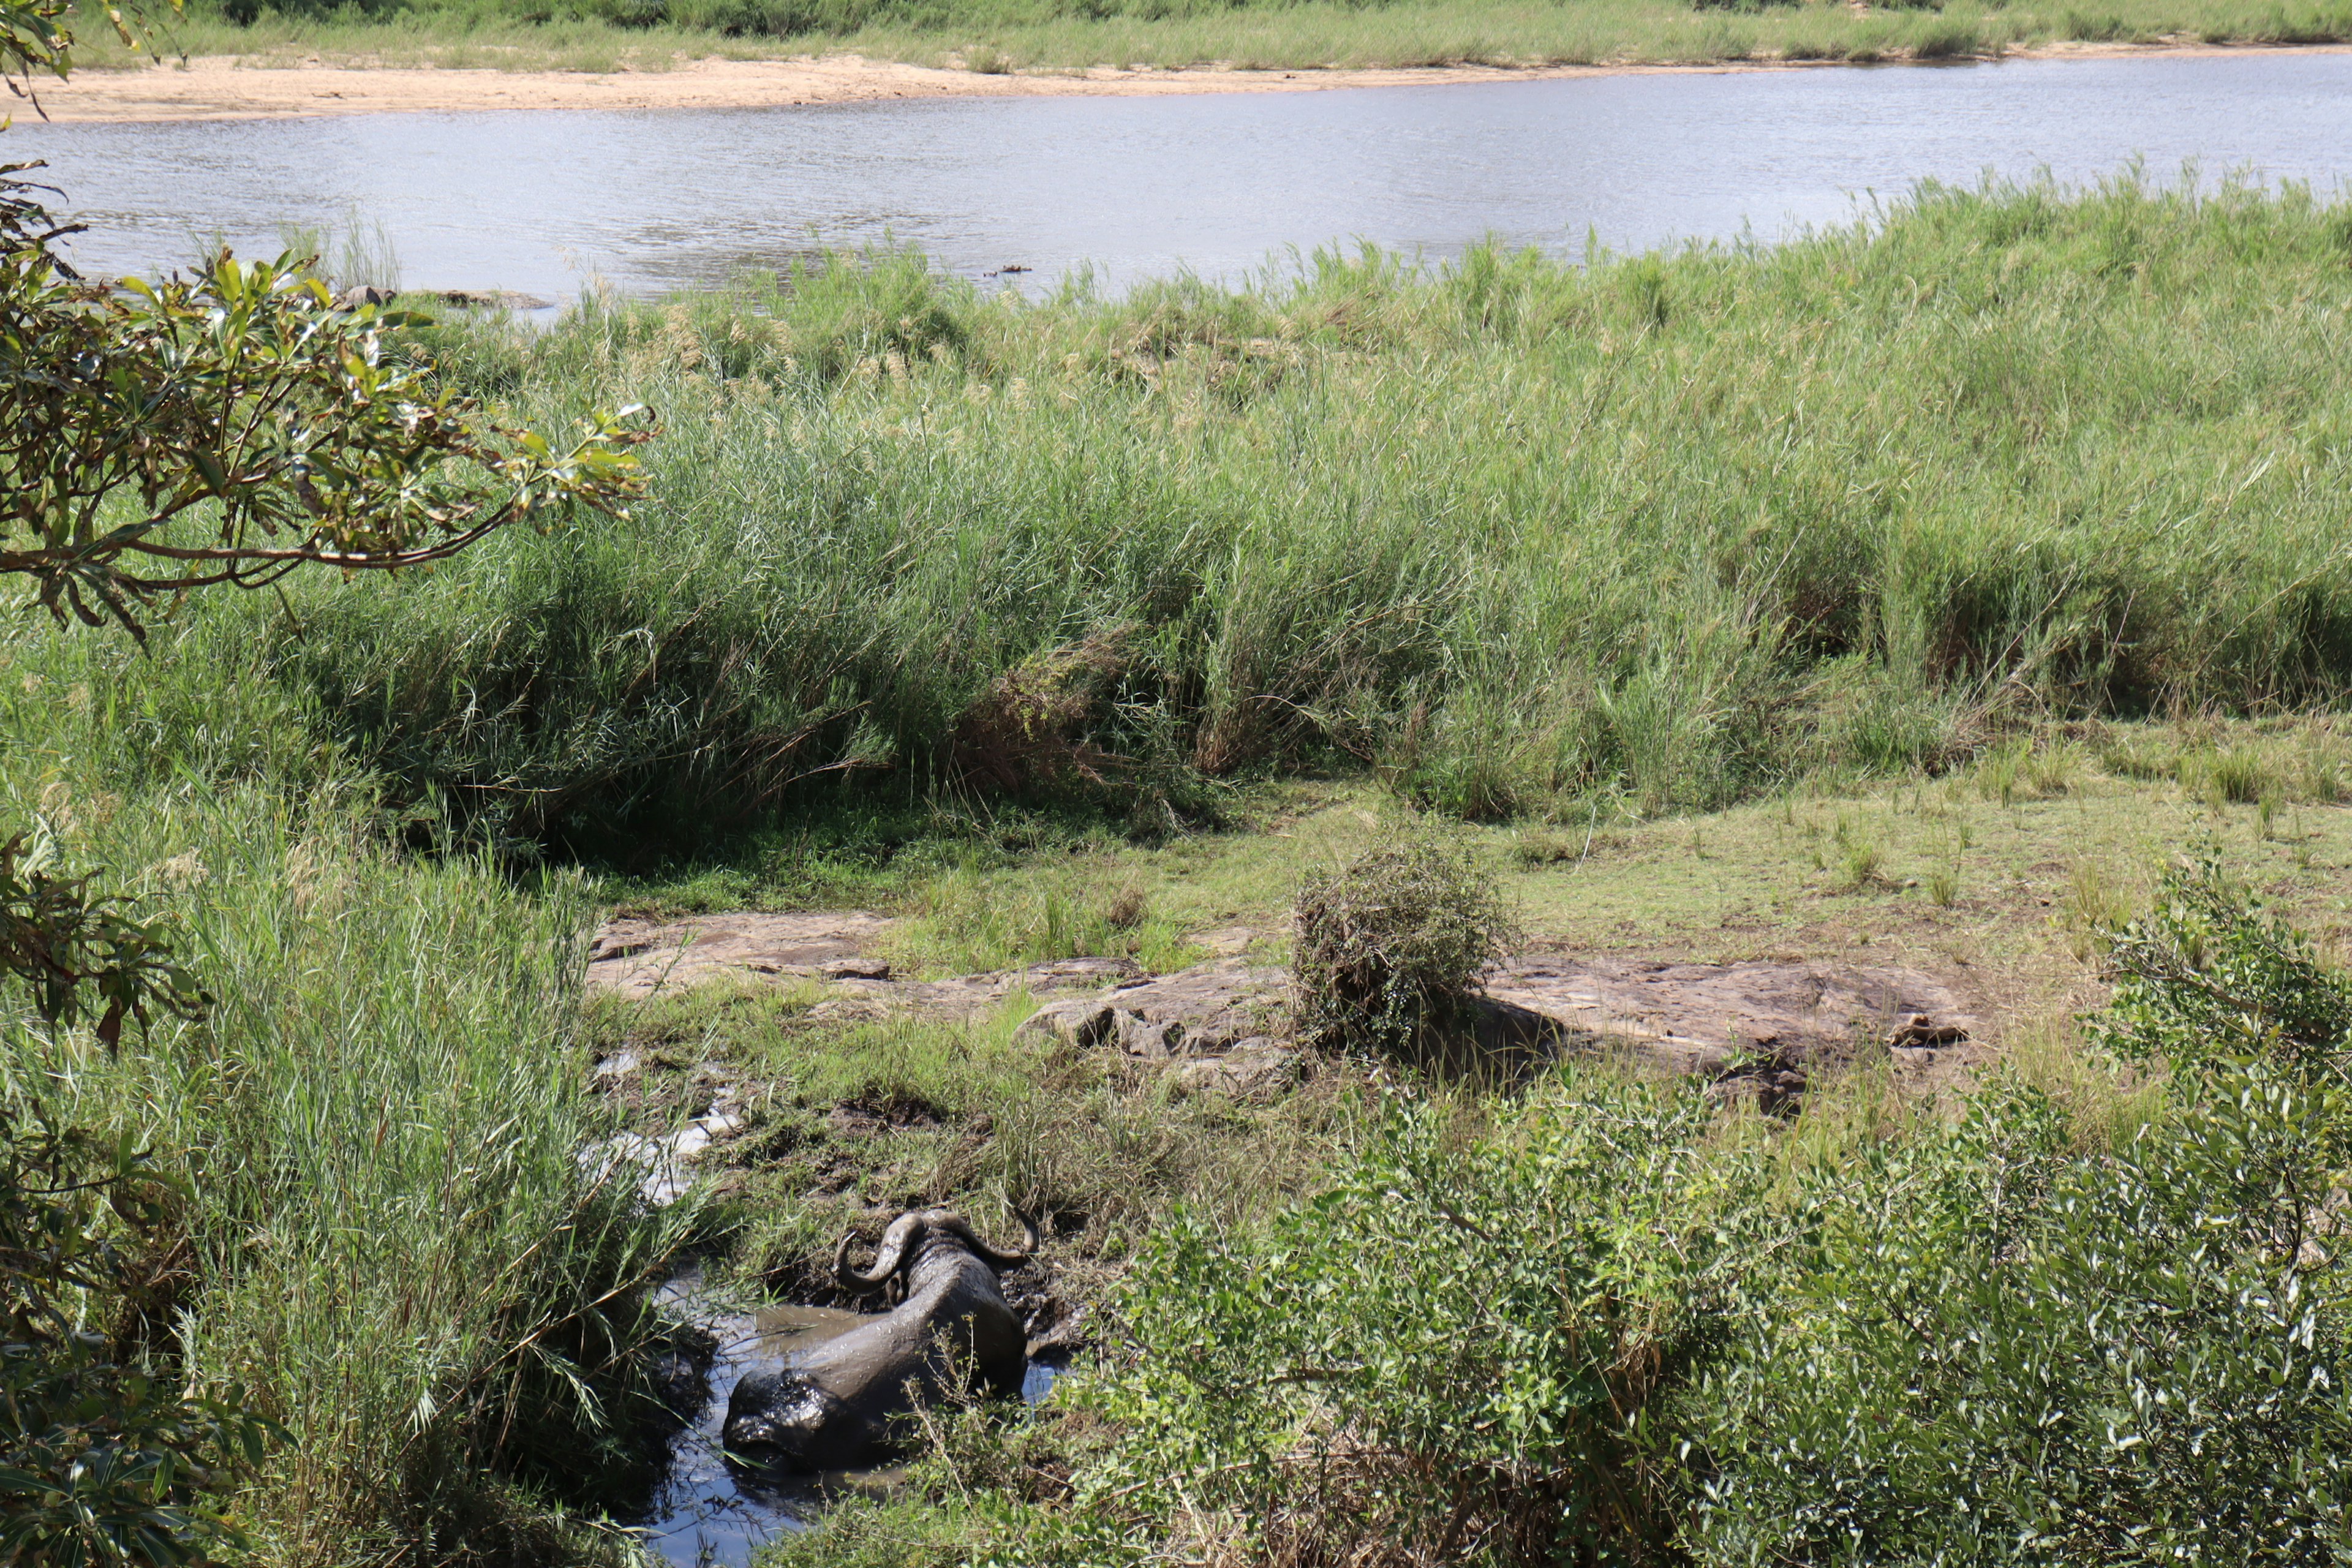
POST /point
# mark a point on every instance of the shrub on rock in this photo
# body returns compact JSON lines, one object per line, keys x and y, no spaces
{"x":1391,"y":946}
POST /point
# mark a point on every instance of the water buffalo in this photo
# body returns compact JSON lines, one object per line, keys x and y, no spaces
{"x":838,"y":1404}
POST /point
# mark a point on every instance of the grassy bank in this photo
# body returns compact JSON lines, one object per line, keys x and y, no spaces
{"x":1049,"y":35}
{"x":1518,"y":537}
{"x":1887,"y":541}
{"x":389,"y":1240}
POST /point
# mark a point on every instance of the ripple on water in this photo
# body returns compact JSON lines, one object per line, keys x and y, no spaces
{"x":1143,"y":187}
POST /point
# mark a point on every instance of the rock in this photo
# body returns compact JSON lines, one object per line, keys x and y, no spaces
{"x":1225,"y":941}
{"x":493,"y":300}
{"x":1195,"y":1011}
{"x":362,"y":295}
{"x":1254,"y":1066}
{"x":970,"y":995}
{"x":1920,"y":1029}
{"x":1061,"y":974}
{"x":1772,"y":1088}
{"x":637,"y":958}
{"x":1756,"y":1029}
{"x":665,"y":1162}
{"x":1081,"y":1024}
{"x":1710,"y":1018}
{"x":1207,"y":1008}
{"x":1152,"y":1039}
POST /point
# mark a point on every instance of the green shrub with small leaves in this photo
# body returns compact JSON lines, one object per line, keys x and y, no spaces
{"x":2209,"y":978}
{"x":1463,"y":1350}
{"x":104,"y":1459}
{"x":1989,"y":1347}
{"x":1607,"y":1322}
{"x":1996,"y":1344}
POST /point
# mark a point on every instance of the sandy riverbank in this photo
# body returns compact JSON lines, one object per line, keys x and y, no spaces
{"x":220,"y":88}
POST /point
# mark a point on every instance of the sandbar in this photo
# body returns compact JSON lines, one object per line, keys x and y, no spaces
{"x":225,"y":88}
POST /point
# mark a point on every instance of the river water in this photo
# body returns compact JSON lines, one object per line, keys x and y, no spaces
{"x":1136,"y":188}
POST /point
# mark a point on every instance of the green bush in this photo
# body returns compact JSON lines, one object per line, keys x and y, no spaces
{"x":1460,"y":1352}
{"x":1388,"y":948}
{"x":1992,"y":1349}
{"x":104,"y":1458}
{"x":2208,"y":979}
{"x":1610,"y":1324}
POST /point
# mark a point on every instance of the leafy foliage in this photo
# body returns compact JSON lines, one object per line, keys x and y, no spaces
{"x":1605,"y":1324}
{"x":1992,"y":1349}
{"x":237,"y":425}
{"x":56,"y":934}
{"x":102,"y":1460}
{"x":1464,"y":1351}
{"x":34,"y":37}
{"x":1392,"y":944}
{"x":2208,"y":978}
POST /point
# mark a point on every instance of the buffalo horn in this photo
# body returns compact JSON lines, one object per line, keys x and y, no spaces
{"x":995,"y":1257}
{"x":887,"y":1256}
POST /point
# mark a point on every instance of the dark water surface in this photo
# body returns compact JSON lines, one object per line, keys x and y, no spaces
{"x":1143,"y":187}
{"x":707,"y":1514}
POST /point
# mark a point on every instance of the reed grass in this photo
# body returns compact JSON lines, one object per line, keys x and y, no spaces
{"x":997,"y":36}
{"x":392,"y":1244}
{"x":1521,"y":536}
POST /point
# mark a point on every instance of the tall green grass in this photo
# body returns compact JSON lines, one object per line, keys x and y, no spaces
{"x":392,"y":1244}
{"x":1518,"y":533}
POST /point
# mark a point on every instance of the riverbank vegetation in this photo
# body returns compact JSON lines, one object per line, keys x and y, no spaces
{"x":1913,"y":587}
{"x":999,"y":35}
{"x":1516,"y":536}
{"x":1604,"y":1320}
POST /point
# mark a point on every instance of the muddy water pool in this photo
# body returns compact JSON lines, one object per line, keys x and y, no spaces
{"x":1138,"y":187}
{"x":707,"y":1514}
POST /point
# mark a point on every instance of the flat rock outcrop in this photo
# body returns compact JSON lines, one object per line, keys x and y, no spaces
{"x":1215,"y":1025}
{"x":637,"y":958}
{"x":1758,"y":1030}
{"x":1201,"y":1011}
{"x":1709,"y":1017}
{"x":858,"y":997}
